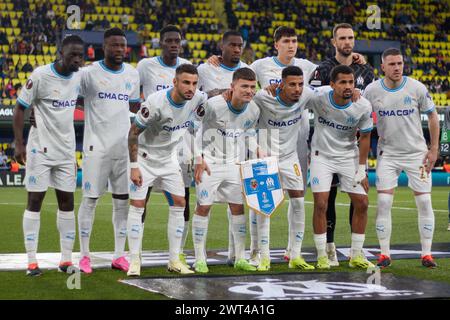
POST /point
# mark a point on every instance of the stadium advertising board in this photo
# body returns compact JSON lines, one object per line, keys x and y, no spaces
{"x":12,"y":179}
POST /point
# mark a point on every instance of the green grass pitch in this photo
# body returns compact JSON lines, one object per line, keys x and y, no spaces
{"x":103,"y":284}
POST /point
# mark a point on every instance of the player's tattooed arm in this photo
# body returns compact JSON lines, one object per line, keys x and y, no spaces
{"x":133,"y":135}
{"x":215,"y":92}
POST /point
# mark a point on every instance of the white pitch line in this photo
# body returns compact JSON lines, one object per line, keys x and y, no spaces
{"x":165,"y":203}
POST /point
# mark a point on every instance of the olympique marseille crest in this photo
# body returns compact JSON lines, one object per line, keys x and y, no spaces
{"x":261,"y":185}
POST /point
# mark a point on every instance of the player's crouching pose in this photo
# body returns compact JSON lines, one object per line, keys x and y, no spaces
{"x":334,"y":151}
{"x":398,"y":101}
{"x":222,"y":136}
{"x":161,"y":121}
{"x":52,"y":90}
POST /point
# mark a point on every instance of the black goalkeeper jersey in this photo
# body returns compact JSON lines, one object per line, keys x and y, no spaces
{"x":363,"y":74}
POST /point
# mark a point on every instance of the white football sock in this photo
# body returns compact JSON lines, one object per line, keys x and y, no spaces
{"x":253,"y":223}
{"x":426,"y":222}
{"x":357,"y":244}
{"x":86,"y":214}
{"x":135,"y":230}
{"x":31,"y":225}
{"x":175,"y":227}
{"x":199,"y":234}
{"x":120,"y":217}
{"x":297,"y":226}
{"x":383,"y":222}
{"x":65,"y":221}
{"x":320,"y":241}
{"x":185,"y":235}
{"x":263,"y":224}
{"x":289,"y":217}
{"x":239,"y":234}
{"x":231,"y":251}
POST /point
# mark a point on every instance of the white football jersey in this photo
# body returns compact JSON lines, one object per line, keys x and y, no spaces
{"x":211,"y":77}
{"x":398,"y":111}
{"x":224,"y":130}
{"x":268,"y":70}
{"x":155,"y":75}
{"x":107,"y":95}
{"x":165,"y":122}
{"x":279,"y":122}
{"x":54,"y":98}
{"x":335,"y":126}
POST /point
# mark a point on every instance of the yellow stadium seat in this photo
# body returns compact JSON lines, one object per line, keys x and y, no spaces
{"x":5,"y":48}
{"x":21,"y":75}
{"x":10,"y":6}
{"x":115,"y":18}
{"x":16,"y":81}
{"x":195,"y":36}
{"x":23,"y":58}
{"x":14,"y":23}
{"x":53,"y":50}
{"x":7,"y":102}
{"x":202,"y":36}
{"x":209,"y":36}
{"x":119,"y":10}
{"x":112,"y":10}
{"x":9,"y":31}
{"x":15,"y":58}
{"x":2,"y":6}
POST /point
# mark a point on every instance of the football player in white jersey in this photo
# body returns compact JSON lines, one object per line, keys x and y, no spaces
{"x":221,"y":146}
{"x":157,"y":74}
{"x":215,"y":80}
{"x":398,"y":101}
{"x":334,"y":150}
{"x":110,"y":89}
{"x":281,"y":118}
{"x":49,"y":157}
{"x":163,"y":119}
{"x":268,"y":71}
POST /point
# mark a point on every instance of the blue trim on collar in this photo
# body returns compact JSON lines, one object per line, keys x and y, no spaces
{"x":280,"y":101}
{"x":103,"y":65}
{"x":334,"y":104}
{"x":52,"y":66}
{"x":395,"y":89}
{"x":235,"y":111}
{"x":161,"y":62}
{"x":173,"y":103}
{"x":278,"y":62}
{"x":231,"y":69}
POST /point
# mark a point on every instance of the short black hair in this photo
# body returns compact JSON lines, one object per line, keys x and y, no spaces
{"x":341,"y":26}
{"x":390,"y":52}
{"x":113,"y":32}
{"x":283,"y":31}
{"x":168,"y":28}
{"x":338,"y":70}
{"x":245,"y":74}
{"x":186,"y":68}
{"x":230,"y":33}
{"x":71,"y":39}
{"x":291,"y":71}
